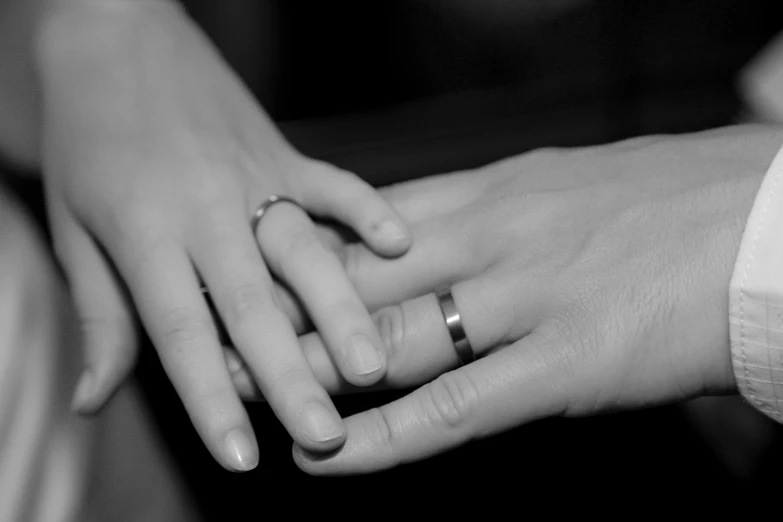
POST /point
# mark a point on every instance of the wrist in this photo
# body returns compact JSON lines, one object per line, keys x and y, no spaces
{"x":103,"y":31}
{"x":98,"y":63}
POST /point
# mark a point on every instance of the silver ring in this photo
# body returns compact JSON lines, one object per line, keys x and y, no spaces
{"x":264,"y":207}
{"x":256,"y":219}
{"x":454,"y":325}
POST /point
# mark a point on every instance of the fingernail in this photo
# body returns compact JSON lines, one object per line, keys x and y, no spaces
{"x":320,"y":424}
{"x":240,"y":451}
{"x":84,"y":390}
{"x":362,"y":356}
{"x":392,"y":231}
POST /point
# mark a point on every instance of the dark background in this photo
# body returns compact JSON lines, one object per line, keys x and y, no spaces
{"x":399,"y":89}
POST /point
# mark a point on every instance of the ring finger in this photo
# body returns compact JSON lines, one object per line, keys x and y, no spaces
{"x":417,"y":341}
{"x":291,"y":247}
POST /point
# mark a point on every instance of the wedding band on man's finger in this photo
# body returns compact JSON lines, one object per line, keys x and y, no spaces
{"x":454,"y":325}
{"x":416,"y":340}
{"x":419,"y":341}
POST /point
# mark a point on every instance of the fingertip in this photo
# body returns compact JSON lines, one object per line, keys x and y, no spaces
{"x":110,"y":362}
{"x":302,"y":459}
{"x":342,"y":195}
{"x":94,"y":390}
{"x":390,"y":237}
{"x":365,"y":360}
{"x":314,"y":463}
{"x":240,"y":450}
{"x":321,"y":428}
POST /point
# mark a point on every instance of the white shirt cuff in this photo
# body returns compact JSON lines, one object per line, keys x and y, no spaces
{"x":756,"y":299}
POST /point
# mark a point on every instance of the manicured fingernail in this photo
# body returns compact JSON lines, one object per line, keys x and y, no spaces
{"x":362,"y":356}
{"x":240,"y":451}
{"x":320,"y":424}
{"x":392,"y":231}
{"x":84,"y":390}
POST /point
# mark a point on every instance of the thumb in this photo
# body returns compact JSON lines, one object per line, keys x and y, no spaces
{"x":526,"y":381}
{"x":110,"y":345}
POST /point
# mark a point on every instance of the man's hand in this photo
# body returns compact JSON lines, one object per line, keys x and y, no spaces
{"x":587,"y":280}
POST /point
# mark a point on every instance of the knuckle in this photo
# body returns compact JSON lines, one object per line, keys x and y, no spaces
{"x":358,"y":196}
{"x":577,"y":326}
{"x":249,"y":300}
{"x":383,"y":432}
{"x":390,"y":322}
{"x":311,"y":168}
{"x":144,"y":248}
{"x":288,"y":379}
{"x":181,"y":329}
{"x":288,"y":375}
{"x":449,"y":399}
{"x":133,"y":219}
{"x":563,"y":346}
{"x":287,"y":384}
{"x":217,"y":404}
{"x":573,"y":350}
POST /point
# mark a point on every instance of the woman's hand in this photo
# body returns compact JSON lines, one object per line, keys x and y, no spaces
{"x":587,"y":280}
{"x":155,"y":158}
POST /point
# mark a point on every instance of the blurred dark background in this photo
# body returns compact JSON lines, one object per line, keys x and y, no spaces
{"x":399,"y":89}
{"x":402,"y":88}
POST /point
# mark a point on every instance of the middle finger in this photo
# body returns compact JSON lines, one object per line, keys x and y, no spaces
{"x":291,"y":247}
{"x":242,"y":290}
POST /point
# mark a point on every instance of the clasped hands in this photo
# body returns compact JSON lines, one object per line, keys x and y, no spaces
{"x":586,"y":279}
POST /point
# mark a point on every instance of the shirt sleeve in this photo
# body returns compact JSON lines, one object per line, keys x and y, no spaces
{"x":756,"y":300}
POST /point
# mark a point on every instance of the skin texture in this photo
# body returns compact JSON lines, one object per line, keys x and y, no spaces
{"x":588,"y":280}
{"x":155,"y":157}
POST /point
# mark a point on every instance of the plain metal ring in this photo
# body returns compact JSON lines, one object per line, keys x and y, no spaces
{"x":454,"y":325}
{"x":265,"y":206}
{"x":254,"y":221}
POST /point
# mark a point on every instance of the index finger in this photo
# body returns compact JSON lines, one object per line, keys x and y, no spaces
{"x":526,"y":381}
